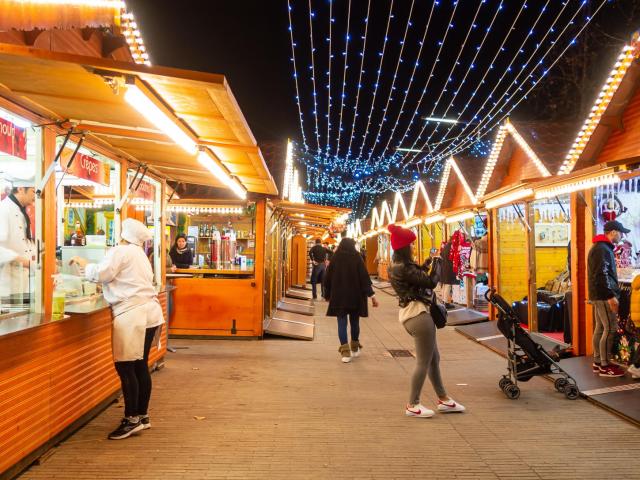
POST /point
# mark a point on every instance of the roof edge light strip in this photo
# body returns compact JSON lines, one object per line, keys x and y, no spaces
{"x":625,"y":59}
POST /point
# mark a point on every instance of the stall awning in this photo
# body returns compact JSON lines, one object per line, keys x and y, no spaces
{"x":309,"y":218}
{"x":89,"y":92}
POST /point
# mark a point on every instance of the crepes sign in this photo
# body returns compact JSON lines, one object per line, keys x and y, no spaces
{"x":13,"y":139}
{"x":87,"y":168}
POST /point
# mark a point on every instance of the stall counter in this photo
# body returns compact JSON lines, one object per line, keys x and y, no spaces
{"x":54,"y":377}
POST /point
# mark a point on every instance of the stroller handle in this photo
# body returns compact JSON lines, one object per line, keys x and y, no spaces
{"x":489,"y":294}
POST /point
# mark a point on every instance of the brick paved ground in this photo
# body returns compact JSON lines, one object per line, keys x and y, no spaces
{"x":290,"y":409}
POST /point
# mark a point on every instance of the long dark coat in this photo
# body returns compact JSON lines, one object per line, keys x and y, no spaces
{"x":448,"y":277}
{"x":347,"y":285}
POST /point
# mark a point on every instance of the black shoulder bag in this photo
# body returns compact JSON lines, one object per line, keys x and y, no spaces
{"x":438,"y":312}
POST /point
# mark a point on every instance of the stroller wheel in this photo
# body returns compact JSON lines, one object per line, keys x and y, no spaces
{"x":504,"y":381}
{"x":561,"y":384}
{"x":571,"y":392}
{"x":512,"y":392}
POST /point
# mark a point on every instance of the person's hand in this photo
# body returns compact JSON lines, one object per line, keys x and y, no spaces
{"x":173,"y":268}
{"x":613,"y":304}
{"x":81,"y":262}
{"x":24,"y":261}
{"x":374,"y":302}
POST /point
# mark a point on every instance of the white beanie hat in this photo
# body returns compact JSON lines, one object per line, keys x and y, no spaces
{"x":134,"y":231}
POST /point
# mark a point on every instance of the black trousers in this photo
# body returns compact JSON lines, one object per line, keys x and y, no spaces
{"x":136,"y":380}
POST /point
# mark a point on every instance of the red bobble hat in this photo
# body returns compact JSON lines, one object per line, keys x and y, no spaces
{"x":400,"y":237}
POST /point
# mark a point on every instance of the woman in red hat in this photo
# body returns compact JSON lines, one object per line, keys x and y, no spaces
{"x":414,"y":286}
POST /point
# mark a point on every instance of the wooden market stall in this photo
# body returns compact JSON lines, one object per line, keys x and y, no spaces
{"x":291,"y":229}
{"x":57,"y":374}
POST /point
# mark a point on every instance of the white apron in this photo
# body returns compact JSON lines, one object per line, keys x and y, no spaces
{"x":129,"y":329}
{"x":14,"y":278}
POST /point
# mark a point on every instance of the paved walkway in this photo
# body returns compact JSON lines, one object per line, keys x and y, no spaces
{"x":290,"y":409}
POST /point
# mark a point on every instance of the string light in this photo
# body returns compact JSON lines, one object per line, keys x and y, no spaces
{"x":329,"y":79}
{"x":507,"y":198}
{"x":313,"y":75}
{"x":577,"y":185}
{"x":295,"y":77}
{"x":200,"y":209}
{"x":485,"y":125}
{"x":133,"y":37}
{"x":344,"y":78}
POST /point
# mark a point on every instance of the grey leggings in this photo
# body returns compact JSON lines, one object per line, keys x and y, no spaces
{"x":606,"y":324}
{"x":423,"y":331}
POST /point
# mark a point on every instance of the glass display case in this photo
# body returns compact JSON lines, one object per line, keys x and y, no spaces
{"x":87,"y":190}
{"x":221,"y":238}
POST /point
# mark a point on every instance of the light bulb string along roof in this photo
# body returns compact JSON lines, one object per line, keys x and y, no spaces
{"x":487,"y":127}
{"x":506,"y":70}
{"x":393,"y":82}
{"x":449,"y":77}
{"x":516,"y":84}
{"x":377,"y":84}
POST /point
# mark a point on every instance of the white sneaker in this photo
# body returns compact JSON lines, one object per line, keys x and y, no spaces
{"x":418,"y":411}
{"x":450,"y":406}
{"x":634,"y":371}
{"x":346,"y":359}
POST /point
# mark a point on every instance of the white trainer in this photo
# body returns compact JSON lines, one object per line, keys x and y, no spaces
{"x":419,"y":411}
{"x":634,"y":371}
{"x":450,"y":406}
{"x":346,"y":359}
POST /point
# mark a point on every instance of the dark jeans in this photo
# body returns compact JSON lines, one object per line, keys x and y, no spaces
{"x":354,"y":320}
{"x":316,"y":277}
{"x":136,"y":380}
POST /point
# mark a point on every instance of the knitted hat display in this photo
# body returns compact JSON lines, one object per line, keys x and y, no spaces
{"x":400,"y":237}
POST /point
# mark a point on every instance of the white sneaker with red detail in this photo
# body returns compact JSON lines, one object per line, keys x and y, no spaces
{"x":418,"y":411}
{"x":450,"y":406}
{"x":634,"y":371}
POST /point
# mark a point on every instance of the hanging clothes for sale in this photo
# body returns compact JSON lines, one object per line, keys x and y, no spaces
{"x":448,"y":275}
{"x":460,"y":253}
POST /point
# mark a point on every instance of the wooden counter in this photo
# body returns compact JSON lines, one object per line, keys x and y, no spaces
{"x":54,"y":378}
{"x":216,"y":271}
{"x":211,"y":307}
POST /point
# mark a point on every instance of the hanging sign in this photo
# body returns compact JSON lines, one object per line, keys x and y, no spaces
{"x":145,"y":191}
{"x":13,"y":139}
{"x":86,"y":167}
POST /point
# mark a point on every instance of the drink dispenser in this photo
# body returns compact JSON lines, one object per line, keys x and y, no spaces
{"x":215,"y":244}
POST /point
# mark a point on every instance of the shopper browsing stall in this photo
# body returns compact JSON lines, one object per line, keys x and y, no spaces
{"x":137,"y":316}
{"x":414,"y":286}
{"x":604,"y":294}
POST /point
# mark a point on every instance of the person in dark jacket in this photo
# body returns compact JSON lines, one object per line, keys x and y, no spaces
{"x":604,"y":295}
{"x":318,"y":255}
{"x":347,"y":286}
{"x":414,"y":286}
{"x":180,"y":254}
{"x":447,"y":276}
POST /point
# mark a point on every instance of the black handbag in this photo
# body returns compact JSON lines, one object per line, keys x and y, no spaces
{"x":438,"y":312}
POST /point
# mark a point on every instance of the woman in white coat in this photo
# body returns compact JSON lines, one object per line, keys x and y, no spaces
{"x":127,"y":281}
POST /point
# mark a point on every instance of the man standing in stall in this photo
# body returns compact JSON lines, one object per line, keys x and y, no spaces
{"x":604,"y":295}
{"x":16,"y":243}
{"x":318,"y":255}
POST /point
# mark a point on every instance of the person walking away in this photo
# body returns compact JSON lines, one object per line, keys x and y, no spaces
{"x":17,"y":248}
{"x":181,"y":255}
{"x":604,"y":295}
{"x":127,"y":281}
{"x":318,"y":255}
{"x":347,"y":287}
{"x":414,"y":286}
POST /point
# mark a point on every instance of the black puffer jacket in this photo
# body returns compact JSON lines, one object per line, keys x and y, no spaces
{"x":414,"y":282}
{"x":602,"y":271}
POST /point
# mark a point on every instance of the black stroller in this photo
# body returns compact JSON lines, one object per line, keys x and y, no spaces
{"x":526,"y":358}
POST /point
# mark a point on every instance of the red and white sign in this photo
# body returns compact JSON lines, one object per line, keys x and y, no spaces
{"x":86,"y":167}
{"x":145,"y":190}
{"x":13,"y":139}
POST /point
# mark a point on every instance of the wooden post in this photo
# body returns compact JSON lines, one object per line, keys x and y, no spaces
{"x":529,"y":217}
{"x":49,"y":220}
{"x":163,"y":228}
{"x":492,"y":242}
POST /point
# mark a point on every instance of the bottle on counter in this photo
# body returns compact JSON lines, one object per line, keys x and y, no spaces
{"x":77,"y":238}
{"x":58,"y":299}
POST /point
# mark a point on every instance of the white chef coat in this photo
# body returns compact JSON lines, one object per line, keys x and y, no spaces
{"x":127,"y":279}
{"x":14,"y":278}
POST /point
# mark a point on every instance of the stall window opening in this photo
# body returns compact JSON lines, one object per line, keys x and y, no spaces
{"x":20,"y":222}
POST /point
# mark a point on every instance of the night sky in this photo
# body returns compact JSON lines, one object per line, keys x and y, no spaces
{"x":489,"y":54}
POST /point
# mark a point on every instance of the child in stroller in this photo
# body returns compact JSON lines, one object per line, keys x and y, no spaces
{"x":526,"y":358}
